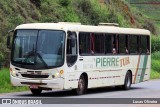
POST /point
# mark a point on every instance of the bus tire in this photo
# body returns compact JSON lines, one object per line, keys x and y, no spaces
{"x":127,"y":82}
{"x":81,"y":86}
{"x":36,"y":91}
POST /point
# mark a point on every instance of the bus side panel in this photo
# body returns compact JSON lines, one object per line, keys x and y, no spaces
{"x":99,"y":76}
{"x":101,"y":73}
{"x":148,"y":69}
{"x":143,"y":71}
{"x":71,"y":78}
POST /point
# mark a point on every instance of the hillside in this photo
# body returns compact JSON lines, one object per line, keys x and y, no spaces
{"x":15,"y":12}
{"x":148,"y":7}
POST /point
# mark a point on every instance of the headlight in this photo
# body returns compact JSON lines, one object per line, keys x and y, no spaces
{"x":56,"y":75}
{"x":13,"y":73}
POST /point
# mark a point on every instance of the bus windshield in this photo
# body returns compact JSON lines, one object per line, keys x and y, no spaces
{"x":38,"y":48}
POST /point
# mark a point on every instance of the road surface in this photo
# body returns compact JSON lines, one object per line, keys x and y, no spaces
{"x":149,"y":89}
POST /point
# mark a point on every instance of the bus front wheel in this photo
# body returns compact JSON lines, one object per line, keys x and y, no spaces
{"x":36,"y":91}
{"x":81,"y":86}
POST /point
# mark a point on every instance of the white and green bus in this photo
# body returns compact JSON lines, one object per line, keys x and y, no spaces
{"x":69,"y":56}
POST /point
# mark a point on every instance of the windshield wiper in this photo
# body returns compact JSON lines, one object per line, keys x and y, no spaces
{"x":40,"y":57}
{"x":29,"y":54}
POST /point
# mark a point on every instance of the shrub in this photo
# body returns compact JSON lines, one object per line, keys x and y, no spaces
{"x":37,"y":3}
{"x":155,"y":44}
{"x":64,"y":2}
{"x":150,"y":26}
{"x":71,"y":16}
{"x":155,"y":65}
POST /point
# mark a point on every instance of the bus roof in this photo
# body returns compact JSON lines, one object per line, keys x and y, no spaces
{"x":84,"y":28}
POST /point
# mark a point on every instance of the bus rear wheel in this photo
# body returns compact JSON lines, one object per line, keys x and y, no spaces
{"x":36,"y":91}
{"x":127,"y":82}
{"x":81,"y":86}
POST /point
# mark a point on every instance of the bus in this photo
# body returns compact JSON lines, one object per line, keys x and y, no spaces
{"x":72,"y":56}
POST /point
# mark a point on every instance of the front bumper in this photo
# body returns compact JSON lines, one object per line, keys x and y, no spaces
{"x":57,"y":83}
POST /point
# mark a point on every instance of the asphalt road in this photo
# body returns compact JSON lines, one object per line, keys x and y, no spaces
{"x":148,"y":89}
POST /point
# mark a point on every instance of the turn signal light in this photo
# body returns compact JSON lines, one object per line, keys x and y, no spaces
{"x":10,"y":69}
{"x":61,"y":72}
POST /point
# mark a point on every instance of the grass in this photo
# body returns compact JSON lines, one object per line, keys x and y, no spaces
{"x":150,"y":12}
{"x":155,"y":65}
{"x":154,"y":74}
{"x":5,"y":84}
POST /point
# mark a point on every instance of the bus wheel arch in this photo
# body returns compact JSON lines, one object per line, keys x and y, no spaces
{"x":127,"y":80}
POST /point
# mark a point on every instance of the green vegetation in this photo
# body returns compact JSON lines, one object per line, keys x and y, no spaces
{"x":150,"y":10}
{"x":5,"y":85}
{"x":155,"y":47}
{"x":155,"y":64}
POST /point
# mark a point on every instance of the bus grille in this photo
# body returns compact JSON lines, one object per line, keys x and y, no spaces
{"x":34,"y":76}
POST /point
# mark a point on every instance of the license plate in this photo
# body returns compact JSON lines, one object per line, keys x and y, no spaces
{"x":34,"y":86}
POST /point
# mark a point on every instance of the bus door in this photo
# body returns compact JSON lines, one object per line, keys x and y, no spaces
{"x":71,"y":51}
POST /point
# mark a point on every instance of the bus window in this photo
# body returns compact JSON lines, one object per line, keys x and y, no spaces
{"x":71,"y":48}
{"x":84,"y":43}
{"x":148,"y":45}
{"x":98,"y":43}
{"x":110,"y":44}
{"x":114,"y":44}
{"x":145,"y":46}
{"x":134,"y":44}
{"x":123,"y":44}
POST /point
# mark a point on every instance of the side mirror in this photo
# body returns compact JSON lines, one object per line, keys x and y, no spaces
{"x":9,"y":39}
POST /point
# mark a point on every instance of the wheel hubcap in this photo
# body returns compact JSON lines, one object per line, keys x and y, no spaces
{"x":128,"y":82}
{"x":81,"y":85}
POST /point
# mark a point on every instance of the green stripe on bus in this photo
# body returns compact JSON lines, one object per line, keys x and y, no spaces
{"x":144,"y":68}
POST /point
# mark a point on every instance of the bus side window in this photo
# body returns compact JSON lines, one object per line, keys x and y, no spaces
{"x":99,"y":43}
{"x":114,"y":44}
{"x":108,"y":44}
{"x":123,"y":44}
{"x":84,"y":43}
{"x":134,"y":44}
{"x":71,"y":48}
{"x":148,"y":45}
{"x":145,"y":45}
